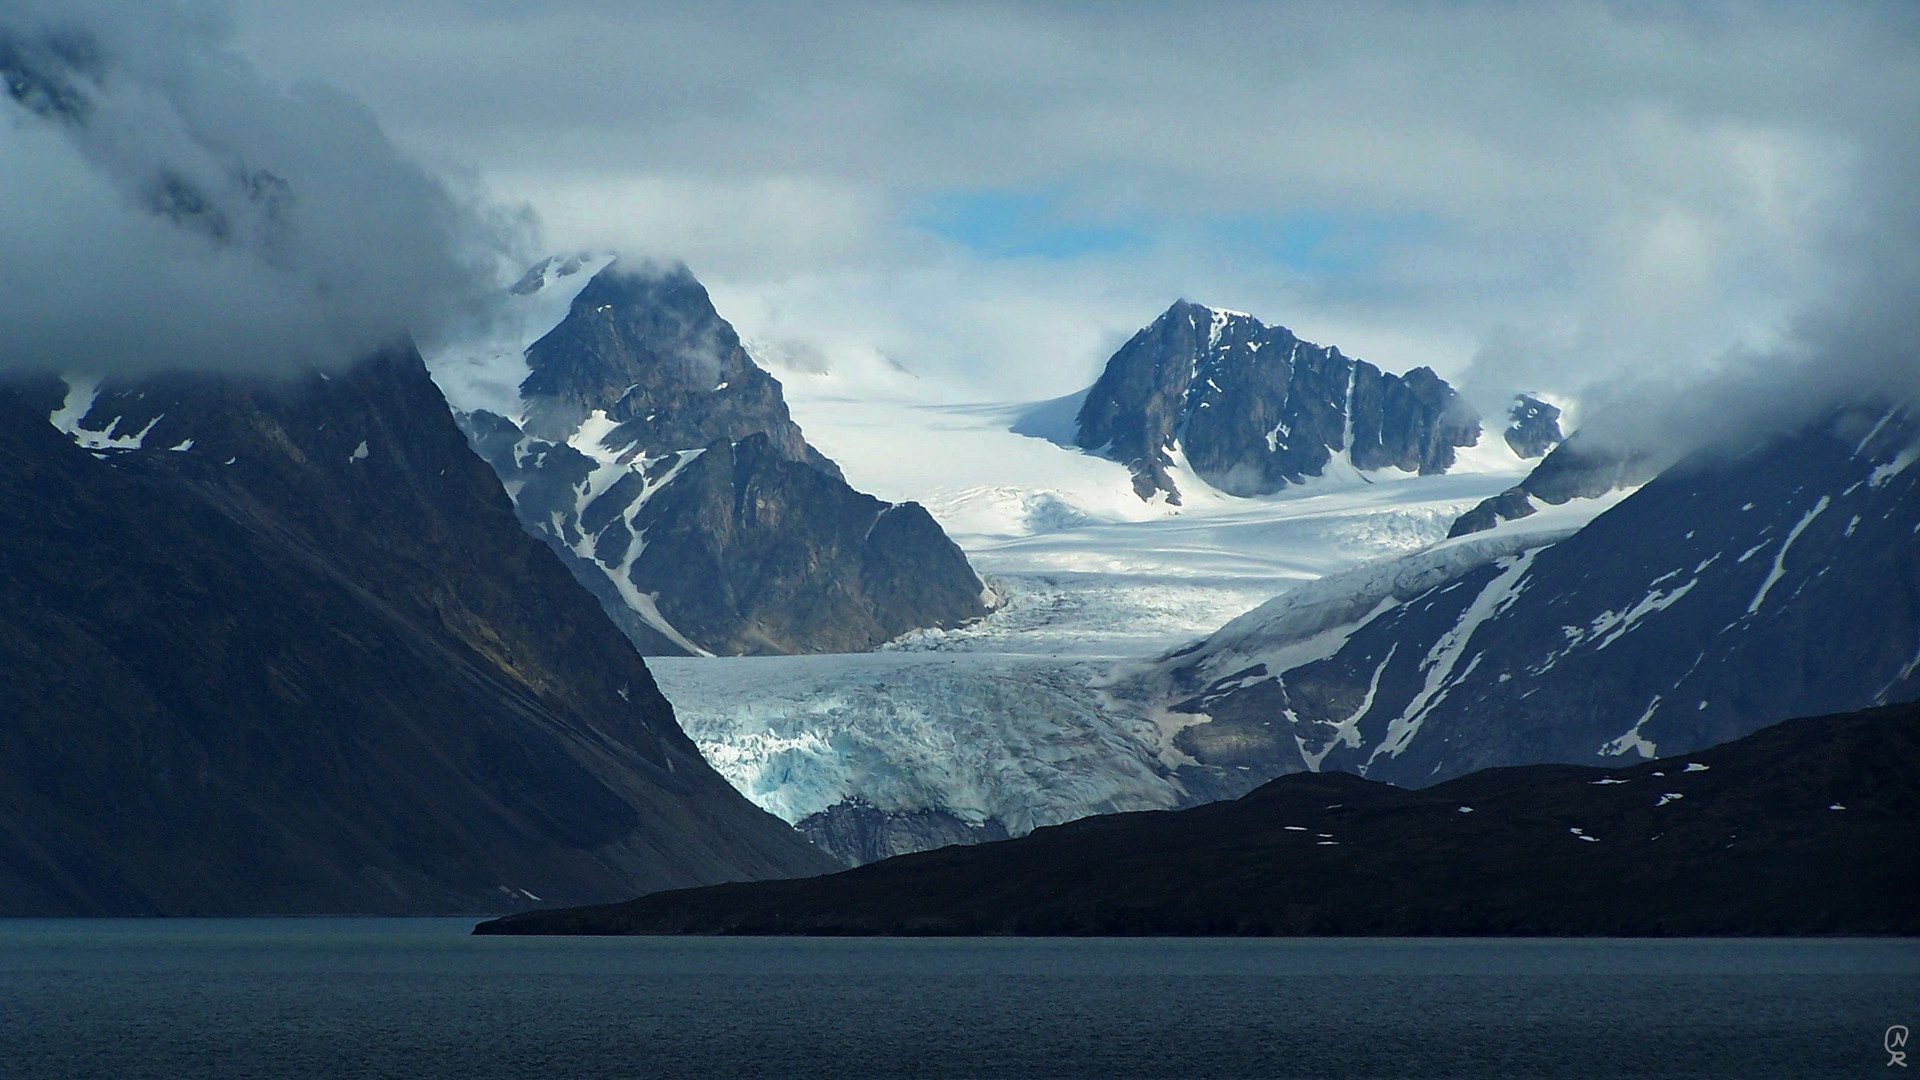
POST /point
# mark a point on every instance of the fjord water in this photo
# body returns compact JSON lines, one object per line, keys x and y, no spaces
{"x":418,"y":998}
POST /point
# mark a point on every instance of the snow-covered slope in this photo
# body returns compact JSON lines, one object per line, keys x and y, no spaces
{"x":1042,"y":518}
{"x":1724,"y":595}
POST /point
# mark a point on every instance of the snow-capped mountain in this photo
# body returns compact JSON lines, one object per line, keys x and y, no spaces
{"x":1727,"y":593}
{"x":1251,"y":408}
{"x":280,"y":645}
{"x":650,"y":451}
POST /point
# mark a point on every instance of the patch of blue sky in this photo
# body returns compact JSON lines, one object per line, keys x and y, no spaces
{"x":1010,"y":223}
{"x":1038,"y":223}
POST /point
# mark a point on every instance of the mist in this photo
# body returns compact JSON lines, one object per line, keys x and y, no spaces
{"x":172,"y":209}
{"x":1855,"y":345}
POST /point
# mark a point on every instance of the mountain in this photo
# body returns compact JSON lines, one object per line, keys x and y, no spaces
{"x":1803,"y":828}
{"x":660,"y":462}
{"x":281,"y":647}
{"x":1729,"y":592}
{"x":1251,"y":408}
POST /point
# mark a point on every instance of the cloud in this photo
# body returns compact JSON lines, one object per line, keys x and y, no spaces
{"x":1574,"y":198}
{"x":1853,"y":339}
{"x":1581,"y":193}
{"x":169,"y":208}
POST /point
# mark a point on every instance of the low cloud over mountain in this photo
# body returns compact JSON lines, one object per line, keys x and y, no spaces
{"x":173,"y":208}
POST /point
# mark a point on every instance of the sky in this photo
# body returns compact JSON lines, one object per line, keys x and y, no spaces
{"x":1559,"y":197}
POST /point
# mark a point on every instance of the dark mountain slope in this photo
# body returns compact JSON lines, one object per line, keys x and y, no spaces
{"x":306,"y":660}
{"x":1804,"y":828}
{"x":768,"y":555}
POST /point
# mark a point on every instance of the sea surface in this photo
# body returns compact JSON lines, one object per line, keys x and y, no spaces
{"x":175,"y":999}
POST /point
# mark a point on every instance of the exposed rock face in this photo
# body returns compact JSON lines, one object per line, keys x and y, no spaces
{"x":662,"y":465}
{"x":860,"y":833}
{"x":1575,"y":469}
{"x":283,"y":647}
{"x":649,"y":350}
{"x":1804,"y":828}
{"x":1533,"y":426}
{"x":1724,"y":595}
{"x":1253,"y":408}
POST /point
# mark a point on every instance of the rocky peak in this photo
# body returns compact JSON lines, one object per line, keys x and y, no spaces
{"x":1254,"y":408}
{"x":1533,"y":426}
{"x":647,"y":348}
{"x":546,"y":271}
{"x":46,"y":76}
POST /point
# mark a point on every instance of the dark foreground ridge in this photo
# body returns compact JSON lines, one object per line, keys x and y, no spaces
{"x":287,"y":651}
{"x":1806,"y":827}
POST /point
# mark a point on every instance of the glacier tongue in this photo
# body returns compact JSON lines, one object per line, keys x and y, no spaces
{"x":1019,"y":740}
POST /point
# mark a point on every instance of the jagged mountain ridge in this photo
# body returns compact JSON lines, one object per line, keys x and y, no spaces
{"x":1725,"y":594}
{"x":283,"y":647}
{"x":1252,"y":408}
{"x":662,"y":464}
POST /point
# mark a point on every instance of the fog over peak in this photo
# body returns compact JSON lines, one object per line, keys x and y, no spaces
{"x":1854,"y":344}
{"x":170,"y":208}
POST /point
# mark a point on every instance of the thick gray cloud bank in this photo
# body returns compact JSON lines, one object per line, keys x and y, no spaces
{"x":1854,"y":341}
{"x":167,"y":207}
{"x":1572,"y":197}
{"x":1619,"y":202}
